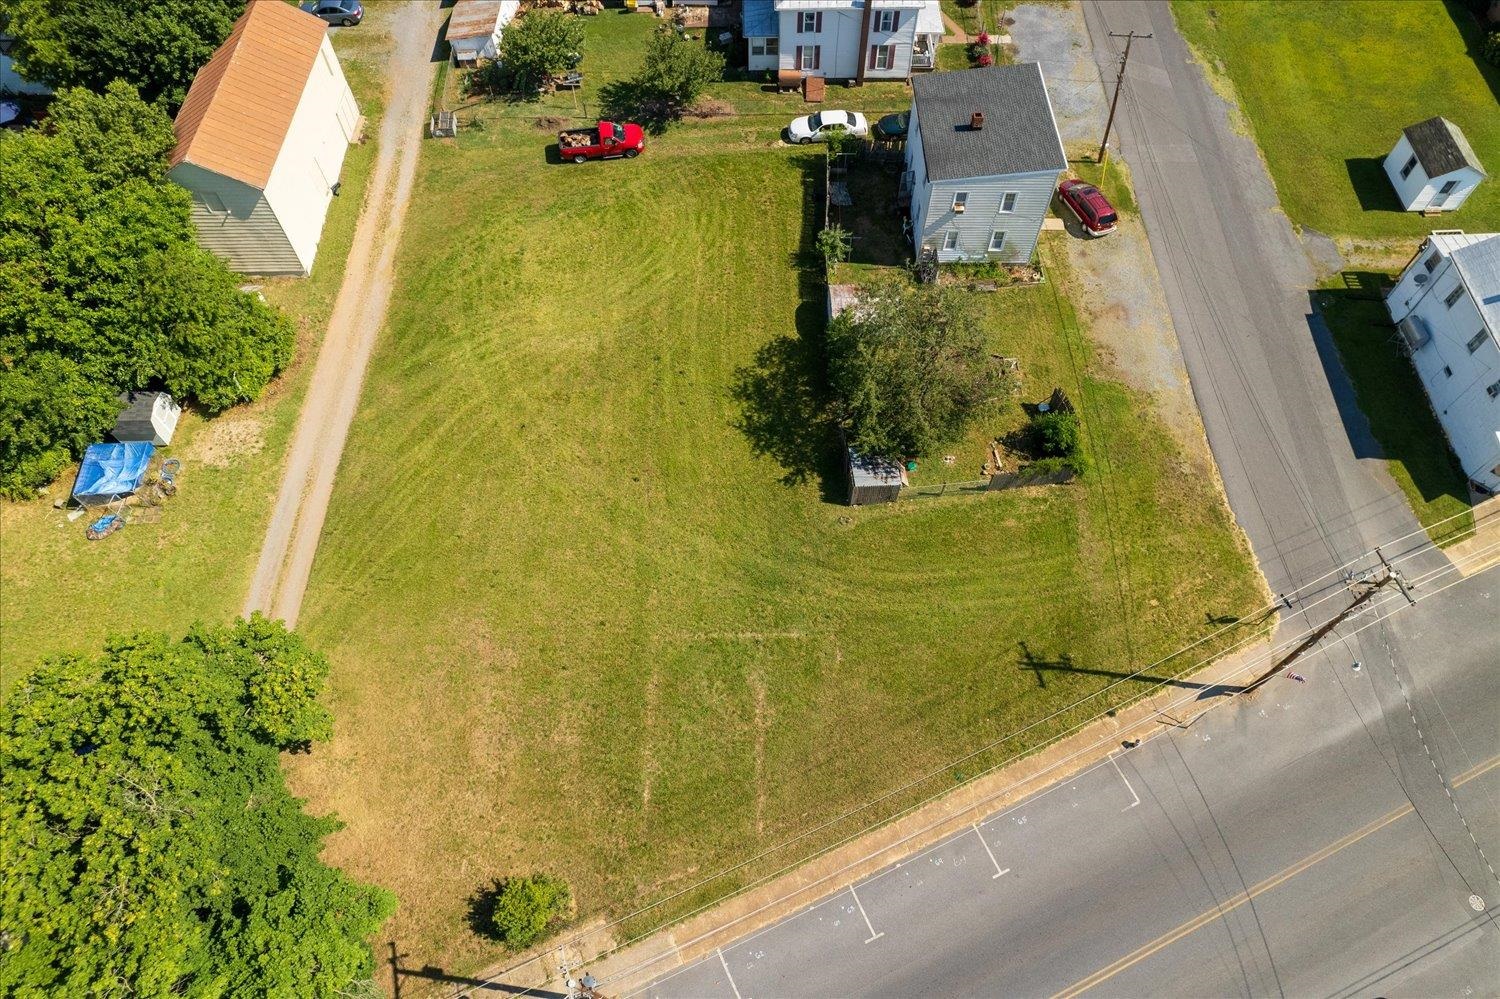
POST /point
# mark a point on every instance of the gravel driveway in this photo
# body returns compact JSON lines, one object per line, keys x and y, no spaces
{"x":1122,"y":295}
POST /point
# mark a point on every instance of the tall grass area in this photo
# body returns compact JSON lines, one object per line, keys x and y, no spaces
{"x":1394,"y":401}
{"x":1328,"y":87}
{"x":64,"y":593}
{"x":589,"y":606}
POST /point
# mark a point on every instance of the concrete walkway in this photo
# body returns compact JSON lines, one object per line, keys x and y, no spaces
{"x":286,"y":556}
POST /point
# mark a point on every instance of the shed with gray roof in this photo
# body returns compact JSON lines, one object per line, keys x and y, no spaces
{"x":982,"y":163}
{"x":1432,"y":167}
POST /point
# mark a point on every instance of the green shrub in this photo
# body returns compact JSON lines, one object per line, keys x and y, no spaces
{"x":523,"y":908}
{"x":1491,"y":50}
{"x":833,"y":243}
{"x":1056,"y":433}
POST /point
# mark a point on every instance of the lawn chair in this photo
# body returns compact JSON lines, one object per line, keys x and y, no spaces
{"x":568,"y":81}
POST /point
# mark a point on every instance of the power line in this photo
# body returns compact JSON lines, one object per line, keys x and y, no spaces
{"x":1413,"y":553}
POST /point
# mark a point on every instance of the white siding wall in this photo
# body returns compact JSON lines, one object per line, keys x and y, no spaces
{"x":1418,"y":191}
{"x":300,"y":187}
{"x":841,"y":44}
{"x":1469,"y":416}
{"x":982,"y":216}
{"x":916,"y":165}
{"x":234,"y":222}
{"x":760,"y":62}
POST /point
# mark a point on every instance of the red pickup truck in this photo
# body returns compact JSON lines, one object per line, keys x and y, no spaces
{"x":604,"y":141}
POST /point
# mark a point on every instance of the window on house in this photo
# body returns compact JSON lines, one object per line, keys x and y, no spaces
{"x":1411,"y":165}
{"x":809,"y":22}
{"x":758,"y":47}
{"x":1008,"y":201}
{"x":1447,"y":371}
{"x":997,"y":241}
{"x":1447,"y":188}
{"x":773,"y":46}
{"x":886,"y":20}
{"x":950,"y":239}
{"x":810,"y":56}
{"x":1493,"y":389}
{"x":1432,"y":261}
{"x":882,"y":56}
{"x":960,"y":201}
{"x":213,"y":203}
{"x":1475,"y":341}
{"x":1454,"y":295}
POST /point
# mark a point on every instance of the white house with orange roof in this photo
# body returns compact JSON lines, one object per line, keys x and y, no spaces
{"x":261,"y":139}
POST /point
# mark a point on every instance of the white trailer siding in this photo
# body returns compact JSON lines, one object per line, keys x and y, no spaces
{"x":916,"y":166}
{"x":234,"y":221}
{"x":840,"y":46}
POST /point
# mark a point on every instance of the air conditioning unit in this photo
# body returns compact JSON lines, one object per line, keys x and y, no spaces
{"x":958,"y":209}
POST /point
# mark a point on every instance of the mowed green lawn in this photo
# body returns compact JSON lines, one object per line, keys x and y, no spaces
{"x":63,"y":593}
{"x":1328,"y":87}
{"x":582,"y":621}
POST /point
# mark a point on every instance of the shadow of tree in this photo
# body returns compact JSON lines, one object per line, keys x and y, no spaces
{"x":783,"y":413}
{"x":636,"y":101}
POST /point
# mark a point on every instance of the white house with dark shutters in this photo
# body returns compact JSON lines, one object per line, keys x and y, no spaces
{"x":843,"y":39}
{"x":1447,"y":308}
{"x":982,"y":160}
{"x":1433,"y":167}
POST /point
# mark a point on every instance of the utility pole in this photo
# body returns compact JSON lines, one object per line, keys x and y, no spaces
{"x":1129,"y":37}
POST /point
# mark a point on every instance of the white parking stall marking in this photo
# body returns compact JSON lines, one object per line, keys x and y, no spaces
{"x":998,"y":869}
{"x":1137,"y":797}
{"x":873,"y":935}
{"x":727,"y":975}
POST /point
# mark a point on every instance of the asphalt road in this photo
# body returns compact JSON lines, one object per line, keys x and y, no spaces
{"x":1320,"y":838}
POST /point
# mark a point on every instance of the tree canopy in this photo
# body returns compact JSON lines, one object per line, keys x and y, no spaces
{"x":102,"y":288}
{"x":677,"y":68}
{"x":151,"y":846}
{"x":908,"y":369}
{"x":154,"y":45}
{"x":542,"y":43}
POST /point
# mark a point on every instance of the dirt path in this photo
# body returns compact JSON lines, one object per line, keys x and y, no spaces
{"x":286,"y":556}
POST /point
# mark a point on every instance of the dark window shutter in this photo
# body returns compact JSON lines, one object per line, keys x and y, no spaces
{"x":799,"y":57}
{"x":818,"y":55}
{"x":895,"y":19}
{"x":818,"y":23}
{"x":872,"y":56}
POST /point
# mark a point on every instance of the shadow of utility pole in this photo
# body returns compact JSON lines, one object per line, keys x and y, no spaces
{"x":1064,"y":664}
{"x":431,"y":973}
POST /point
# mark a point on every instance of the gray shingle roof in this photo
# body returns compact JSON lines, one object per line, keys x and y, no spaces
{"x":1441,"y":147}
{"x":1019,"y":134}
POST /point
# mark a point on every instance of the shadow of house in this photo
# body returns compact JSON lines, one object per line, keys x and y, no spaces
{"x":1371,"y":184}
{"x":1356,"y":425}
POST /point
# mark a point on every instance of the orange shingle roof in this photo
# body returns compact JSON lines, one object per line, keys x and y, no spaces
{"x":241,"y":103}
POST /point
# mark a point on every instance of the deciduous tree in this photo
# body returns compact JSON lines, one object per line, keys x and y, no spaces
{"x":154,"y":45}
{"x":151,"y":847}
{"x":908,"y":369}
{"x":542,"y":42}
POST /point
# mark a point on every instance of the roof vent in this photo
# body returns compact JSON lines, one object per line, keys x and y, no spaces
{"x":976,"y":121}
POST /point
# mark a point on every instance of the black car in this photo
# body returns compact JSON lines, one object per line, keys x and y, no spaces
{"x":345,"y":12}
{"x":892,"y":126}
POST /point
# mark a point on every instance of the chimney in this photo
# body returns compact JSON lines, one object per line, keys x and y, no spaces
{"x":976,"y":121}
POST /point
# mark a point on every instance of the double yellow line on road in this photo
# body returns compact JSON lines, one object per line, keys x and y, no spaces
{"x":1218,"y":911}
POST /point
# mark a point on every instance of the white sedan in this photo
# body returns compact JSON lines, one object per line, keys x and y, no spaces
{"x":818,"y":127}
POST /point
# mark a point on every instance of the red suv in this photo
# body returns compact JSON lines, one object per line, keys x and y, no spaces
{"x":1091,"y":207}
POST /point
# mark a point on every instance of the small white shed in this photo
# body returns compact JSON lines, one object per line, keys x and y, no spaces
{"x":147,"y":416}
{"x":1433,"y":167}
{"x":261,"y":139}
{"x":475,"y":27}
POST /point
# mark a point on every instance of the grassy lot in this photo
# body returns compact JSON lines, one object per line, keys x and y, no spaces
{"x":63,"y":592}
{"x":589,"y":607}
{"x":1395,"y":403}
{"x":1327,"y":88}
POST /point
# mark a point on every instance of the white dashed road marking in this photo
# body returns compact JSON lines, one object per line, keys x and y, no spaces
{"x":873,"y":935}
{"x":727,"y":975}
{"x":998,"y":869}
{"x":1137,"y":797}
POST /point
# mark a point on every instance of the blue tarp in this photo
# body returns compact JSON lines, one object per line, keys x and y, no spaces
{"x":111,"y":470}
